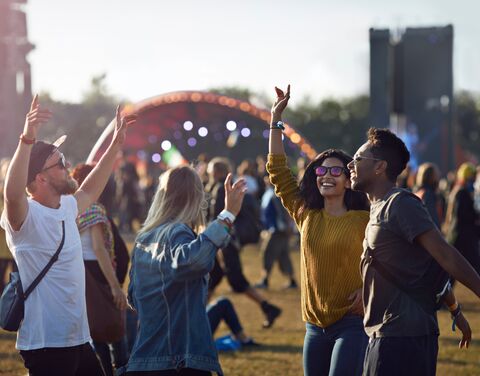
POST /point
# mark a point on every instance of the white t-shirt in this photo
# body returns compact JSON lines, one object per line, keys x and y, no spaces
{"x":55,"y":311}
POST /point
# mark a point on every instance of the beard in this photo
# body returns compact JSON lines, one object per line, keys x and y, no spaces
{"x":65,"y":187}
{"x":358,"y":186}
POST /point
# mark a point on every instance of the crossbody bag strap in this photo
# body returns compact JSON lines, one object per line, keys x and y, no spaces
{"x":372,"y":260}
{"x":385,"y":273}
{"x":47,"y":267}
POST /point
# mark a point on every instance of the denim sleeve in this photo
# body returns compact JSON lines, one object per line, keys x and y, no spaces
{"x":193,"y":256}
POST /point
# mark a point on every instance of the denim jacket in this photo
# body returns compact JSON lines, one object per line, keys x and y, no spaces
{"x":168,"y":288}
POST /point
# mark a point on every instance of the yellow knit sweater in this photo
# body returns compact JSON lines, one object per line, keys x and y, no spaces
{"x":330,"y":250}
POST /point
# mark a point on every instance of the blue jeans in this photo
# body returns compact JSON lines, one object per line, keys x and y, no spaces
{"x":222,"y":309}
{"x":336,"y":350}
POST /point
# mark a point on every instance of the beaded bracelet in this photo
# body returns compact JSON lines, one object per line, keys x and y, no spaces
{"x":455,"y":313}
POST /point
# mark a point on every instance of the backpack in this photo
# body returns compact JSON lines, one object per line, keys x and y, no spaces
{"x":434,"y":284}
{"x":247,"y":225}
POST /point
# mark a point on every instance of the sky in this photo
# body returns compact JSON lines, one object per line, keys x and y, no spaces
{"x":150,"y":47}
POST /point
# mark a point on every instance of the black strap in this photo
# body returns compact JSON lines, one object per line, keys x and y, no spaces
{"x":47,"y":267}
{"x":385,"y":273}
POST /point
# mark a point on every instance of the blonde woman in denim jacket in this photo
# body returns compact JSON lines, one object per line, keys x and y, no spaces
{"x":169,"y":277}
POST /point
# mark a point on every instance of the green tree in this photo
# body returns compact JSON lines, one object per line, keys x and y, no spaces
{"x":467,"y":121}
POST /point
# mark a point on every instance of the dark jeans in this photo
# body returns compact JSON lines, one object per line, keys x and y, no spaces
{"x":336,"y":350}
{"x":62,"y":361}
{"x":172,"y":372}
{"x":398,"y":356}
{"x":120,"y":354}
{"x":222,"y":309}
{"x":232,"y":270}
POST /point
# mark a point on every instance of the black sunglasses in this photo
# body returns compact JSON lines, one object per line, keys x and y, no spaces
{"x":335,"y":171}
{"x":61,"y":163}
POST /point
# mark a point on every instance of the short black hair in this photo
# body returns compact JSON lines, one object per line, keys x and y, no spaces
{"x":387,"y":146}
{"x":311,"y":197}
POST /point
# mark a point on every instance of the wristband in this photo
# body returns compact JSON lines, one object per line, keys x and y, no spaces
{"x":277,"y":125}
{"x":453,"y":307}
{"x":455,"y":315}
{"x":226,"y":215}
{"x":27,"y":141}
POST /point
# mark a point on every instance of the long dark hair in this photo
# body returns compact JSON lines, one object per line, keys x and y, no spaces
{"x":312,"y":199}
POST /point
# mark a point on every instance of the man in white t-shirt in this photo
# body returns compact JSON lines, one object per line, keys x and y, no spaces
{"x":53,"y":338}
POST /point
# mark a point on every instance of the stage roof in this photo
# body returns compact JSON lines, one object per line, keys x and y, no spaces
{"x":195,"y":122}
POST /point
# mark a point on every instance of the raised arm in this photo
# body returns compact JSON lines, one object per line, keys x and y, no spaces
{"x":193,"y":256}
{"x":16,"y":205}
{"x":95,"y":182}
{"x":275,"y":145}
{"x":286,"y":186}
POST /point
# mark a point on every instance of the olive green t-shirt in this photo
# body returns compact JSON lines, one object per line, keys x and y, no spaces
{"x":395,"y":222}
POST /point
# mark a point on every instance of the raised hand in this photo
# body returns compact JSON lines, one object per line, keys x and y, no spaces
{"x":35,"y":118}
{"x":234,"y":194}
{"x":280,"y":103}
{"x":121,"y":125}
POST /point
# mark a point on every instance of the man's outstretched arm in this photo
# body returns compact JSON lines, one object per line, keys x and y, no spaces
{"x":450,"y":259}
{"x":16,"y":205}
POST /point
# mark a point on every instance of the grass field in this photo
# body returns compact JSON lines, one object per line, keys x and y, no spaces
{"x":282,"y":350}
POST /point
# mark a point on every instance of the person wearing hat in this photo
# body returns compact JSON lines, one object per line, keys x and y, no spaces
{"x":53,"y":338}
{"x":463,"y":222}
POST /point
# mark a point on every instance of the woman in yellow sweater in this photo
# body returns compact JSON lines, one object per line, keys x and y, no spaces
{"x":331,"y":219}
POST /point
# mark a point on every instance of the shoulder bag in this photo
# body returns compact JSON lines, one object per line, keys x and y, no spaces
{"x":12,"y":301}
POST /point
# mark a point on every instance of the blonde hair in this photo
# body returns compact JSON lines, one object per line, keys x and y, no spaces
{"x":178,"y":199}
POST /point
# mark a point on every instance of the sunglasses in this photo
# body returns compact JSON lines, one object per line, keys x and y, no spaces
{"x":358,"y":158}
{"x":335,"y":171}
{"x":61,"y":163}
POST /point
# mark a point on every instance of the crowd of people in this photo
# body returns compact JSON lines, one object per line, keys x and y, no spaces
{"x":190,"y":228}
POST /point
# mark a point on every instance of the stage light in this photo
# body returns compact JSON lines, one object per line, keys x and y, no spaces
{"x":245,"y":132}
{"x":156,"y":158}
{"x":202,"y":131}
{"x":152,"y":139}
{"x":177,"y":135}
{"x":188,"y":125}
{"x":231,"y":125}
{"x":166,"y":145}
{"x":295,"y":138}
{"x":191,"y":142}
{"x":266,"y":133}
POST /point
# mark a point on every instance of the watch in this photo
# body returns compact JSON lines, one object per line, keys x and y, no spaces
{"x":226,"y":216}
{"x":278,"y":125}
